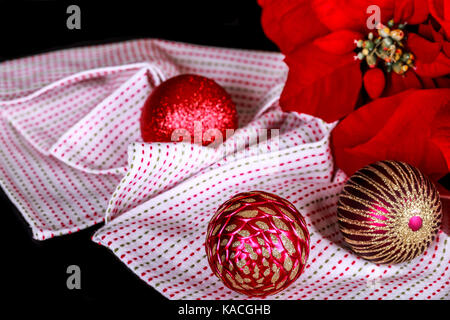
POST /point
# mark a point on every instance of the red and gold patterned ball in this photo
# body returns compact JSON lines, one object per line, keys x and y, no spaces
{"x":389,"y":212}
{"x":257,"y":243}
{"x":188,"y":108}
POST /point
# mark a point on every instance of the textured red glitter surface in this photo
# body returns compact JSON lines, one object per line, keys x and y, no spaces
{"x":180,"y":102}
{"x":257,"y":243}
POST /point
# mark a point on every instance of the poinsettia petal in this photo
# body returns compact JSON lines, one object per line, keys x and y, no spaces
{"x":350,"y":14}
{"x":338,"y":42}
{"x":426,"y":51}
{"x":397,"y":83}
{"x":446,"y":48}
{"x":426,"y":31}
{"x":440,"y":10}
{"x":396,"y":128}
{"x":440,"y":131}
{"x":438,"y":68}
{"x":437,"y":35}
{"x":290,"y":23}
{"x":428,"y":83}
{"x":411,"y":11}
{"x":442,"y":82}
{"x":320,"y":83}
{"x":374,"y":82}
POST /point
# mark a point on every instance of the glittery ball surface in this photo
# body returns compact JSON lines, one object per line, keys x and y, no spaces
{"x":188,"y":108}
{"x":257,"y":243}
{"x":389,"y":212}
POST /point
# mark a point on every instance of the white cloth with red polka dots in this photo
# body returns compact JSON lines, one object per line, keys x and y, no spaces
{"x":71,"y":156}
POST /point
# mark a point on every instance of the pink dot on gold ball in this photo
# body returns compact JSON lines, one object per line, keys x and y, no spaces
{"x":415,"y":223}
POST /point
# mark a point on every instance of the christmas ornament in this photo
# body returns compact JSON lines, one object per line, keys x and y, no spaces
{"x":387,"y":46}
{"x":389,"y":212}
{"x":188,"y":108}
{"x":257,"y":243}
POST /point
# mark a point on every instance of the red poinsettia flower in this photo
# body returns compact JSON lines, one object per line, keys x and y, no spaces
{"x":402,"y":115}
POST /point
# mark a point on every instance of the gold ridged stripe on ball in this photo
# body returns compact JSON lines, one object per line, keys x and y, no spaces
{"x":375,"y":209}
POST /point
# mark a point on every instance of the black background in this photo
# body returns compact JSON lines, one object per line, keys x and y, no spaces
{"x":35,"y":271}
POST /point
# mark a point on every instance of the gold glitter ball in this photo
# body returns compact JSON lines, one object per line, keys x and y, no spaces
{"x":389,"y":212}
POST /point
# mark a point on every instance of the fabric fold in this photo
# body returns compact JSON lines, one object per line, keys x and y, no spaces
{"x":88,"y":119}
{"x":69,"y":116}
{"x":162,"y":239}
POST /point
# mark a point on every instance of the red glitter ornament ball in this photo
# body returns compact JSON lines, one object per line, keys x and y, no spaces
{"x":188,"y":108}
{"x":257,"y":243}
{"x":389,"y":212}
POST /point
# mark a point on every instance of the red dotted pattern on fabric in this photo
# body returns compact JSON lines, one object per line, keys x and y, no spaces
{"x":80,"y":106}
{"x":60,"y":111}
